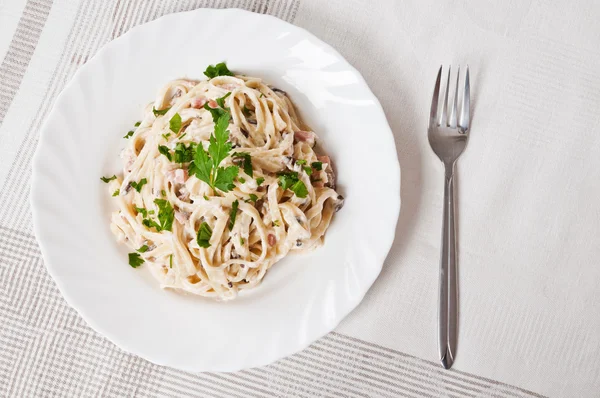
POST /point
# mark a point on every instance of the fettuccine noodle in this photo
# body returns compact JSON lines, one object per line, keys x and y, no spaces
{"x":270,"y":222}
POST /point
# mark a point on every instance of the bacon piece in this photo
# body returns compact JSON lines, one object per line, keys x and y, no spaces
{"x":198,"y":102}
{"x":271,"y":240}
{"x":305,"y":136}
{"x":213,"y":104}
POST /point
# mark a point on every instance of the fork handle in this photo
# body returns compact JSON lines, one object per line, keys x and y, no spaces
{"x":448,"y":297}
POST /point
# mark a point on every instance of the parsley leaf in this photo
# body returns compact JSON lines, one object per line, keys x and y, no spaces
{"x":138,"y":185}
{"x":182,"y":135}
{"x":142,"y":211}
{"x":108,"y":179}
{"x":204,"y":235}
{"x":301,"y":162}
{"x":225,"y":177}
{"x":260,"y":180}
{"x":219,"y":69}
{"x":219,"y":146}
{"x":206,"y":197}
{"x":137,"y":124}
{"x":289,"y":180}
{"x":206,"y":165}
{"x":242,"y":180}
{"x":276,"y":223}
{"x":116,"y":193}
{"x":151,"y":224}
{"x":261,"y":95}
{"x":246,"y":162}
{"x":308,"y":170}
{"x":163,"y":192}
{"x":171,"y":261}
{"x":202,"y":165}
{"x":166,"y":214}
{"x":242,"y":241}
{"x":299,"y":189}
{"x":183,"y":153}
{"x":166,"y":136}
{"x":165,"y":151}
{"x":143,"y":249}
{"x":317,"y":165}
{"x":160,"y":112}
{"x":221,"y":101}
{"x":175,"y":123}
{"x":128,"y":135}
{"x":233,"y":214}
{"x":135,"y":260}
{"x":253,"y":197}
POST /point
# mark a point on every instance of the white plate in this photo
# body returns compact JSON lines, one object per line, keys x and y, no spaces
{"x":302,"y":297}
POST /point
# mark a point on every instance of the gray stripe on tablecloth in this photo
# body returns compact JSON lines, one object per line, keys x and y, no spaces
{"x":21,"y":49}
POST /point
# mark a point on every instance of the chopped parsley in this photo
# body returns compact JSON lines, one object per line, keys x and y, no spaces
{"x":308,"y":170}
{"x":204,"y":235}
{"x":141,"y":211}
{"x":163,"y":192}
{"x":116,"y":193}
{"x":143,"y":249}
{"x":183,"y":153}
{"x":205,"y":165}
{"x":108,"y":179}
{"x":246,"y":161}
{"x":276,"y":223}
{"x":128,"y":135}
{"x":233,"y":214}
{"x":165,"y":151}
{"x":242,"y":241}
{"x":175,"y":123}
{"x":135,"y":260}
{"x":242,"y":180}
{"x":260,"y":180}
{"x":261,"y":95}
{"x":219,"y":69}
{"x":289,"y":180}
{"x":253,"y":197}
{"x":171,"y":261}
{"x":166,"y":214}
{"x":160,"y":112}
{"x":205,"y":197}
{"x":182,"y":135}
{"x":138,"y":185}
{"x":137,"y":124}
{"x":301,"y":162}
{"x":317,"y":165}
{"x":166,"y":136}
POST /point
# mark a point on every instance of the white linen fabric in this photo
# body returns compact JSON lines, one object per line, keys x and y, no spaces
{"x":528,"y":206}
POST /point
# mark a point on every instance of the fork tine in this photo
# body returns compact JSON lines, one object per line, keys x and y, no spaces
{"x":444,"y":118}
{"x":433,"y":118}
{"x":466,"y":105}
{"x":454,"y":105}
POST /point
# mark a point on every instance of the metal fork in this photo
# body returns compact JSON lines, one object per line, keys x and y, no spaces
{"x":448,"y":138}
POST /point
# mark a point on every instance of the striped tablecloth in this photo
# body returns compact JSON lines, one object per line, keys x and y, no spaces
{"x":528,"y":206}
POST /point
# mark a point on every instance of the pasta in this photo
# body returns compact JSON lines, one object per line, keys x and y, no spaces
{"x":221,"y":180}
